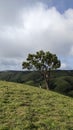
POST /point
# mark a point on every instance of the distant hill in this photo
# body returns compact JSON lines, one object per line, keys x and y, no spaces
{"x":23,"y":107}
{"x":61,"y":80}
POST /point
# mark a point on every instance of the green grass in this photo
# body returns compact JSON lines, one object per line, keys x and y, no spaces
{"x":29,"y":108}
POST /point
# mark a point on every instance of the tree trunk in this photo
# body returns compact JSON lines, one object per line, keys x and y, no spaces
{"x":47,"y":80}
{"x":46,"y":75}
{"x":47,"y":86}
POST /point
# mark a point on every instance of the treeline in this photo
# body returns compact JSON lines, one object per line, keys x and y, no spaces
{"x":61,"y":80}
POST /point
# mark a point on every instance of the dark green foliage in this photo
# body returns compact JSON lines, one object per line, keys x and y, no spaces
{"x":69,"y":79}
{"x":26,"y":76}
{"x":62,"y":84}
{"x":42,"y":61}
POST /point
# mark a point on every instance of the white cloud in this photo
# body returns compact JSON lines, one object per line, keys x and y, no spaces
{"x":37,"y":28}
{"x":64,"y":66}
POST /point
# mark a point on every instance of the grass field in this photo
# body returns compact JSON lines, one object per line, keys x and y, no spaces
{"x":29,"y":108}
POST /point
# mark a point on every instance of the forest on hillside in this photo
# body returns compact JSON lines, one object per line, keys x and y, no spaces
{"x":61,"y":80}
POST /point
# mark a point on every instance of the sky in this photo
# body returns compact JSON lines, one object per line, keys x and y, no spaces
{"x":27,"y":26}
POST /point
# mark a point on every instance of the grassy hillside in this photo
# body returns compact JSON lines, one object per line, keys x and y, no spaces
{"x":29,"y":108}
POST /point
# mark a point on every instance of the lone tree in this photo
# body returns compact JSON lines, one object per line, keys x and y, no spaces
{"x":43,"y":62}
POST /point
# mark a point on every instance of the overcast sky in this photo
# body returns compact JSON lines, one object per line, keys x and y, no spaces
{"x":27,"y":26}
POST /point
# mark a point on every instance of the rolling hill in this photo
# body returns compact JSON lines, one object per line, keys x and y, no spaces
{"x":23,"y":107}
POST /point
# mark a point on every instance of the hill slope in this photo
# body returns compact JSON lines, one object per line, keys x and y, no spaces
{"x":29,"y":108}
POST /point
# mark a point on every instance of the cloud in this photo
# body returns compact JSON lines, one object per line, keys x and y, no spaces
{"x":64,"y":66}
{"x":35,"y":28}
{"x":10,"y":9}
{"x":10,"y":64}
{"x":50,"y":29}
